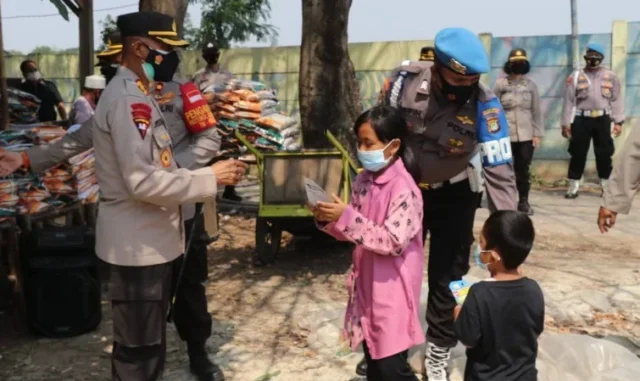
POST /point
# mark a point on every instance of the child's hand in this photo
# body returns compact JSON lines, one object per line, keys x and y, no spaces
{"x":330,"y":211}
{"x":456,"y":312}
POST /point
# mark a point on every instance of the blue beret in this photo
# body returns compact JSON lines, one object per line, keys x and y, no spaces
{"x":461,"y":50}
{"x":595,"y":47}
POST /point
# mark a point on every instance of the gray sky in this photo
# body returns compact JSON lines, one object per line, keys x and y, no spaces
{"x":412,"y":19}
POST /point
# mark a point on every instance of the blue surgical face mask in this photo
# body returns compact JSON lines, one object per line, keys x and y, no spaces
{"x":373,"y":161}
{"x":476,"y":256}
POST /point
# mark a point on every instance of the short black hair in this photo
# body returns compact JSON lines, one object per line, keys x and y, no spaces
{"x":511,"y":234}
{"x":25,"y":63}
{"x":388,"y":123}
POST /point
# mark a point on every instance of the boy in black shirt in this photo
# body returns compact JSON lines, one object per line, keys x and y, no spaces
{"x":500,"y":321}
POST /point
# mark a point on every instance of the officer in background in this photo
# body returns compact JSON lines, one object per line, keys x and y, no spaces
{"x":427,"y":54}
{"x":462,"y":139}
{"x":139,"y":233}
{"x":521,"y":101}
{"x":109,"y":59}
{"x":591,"y":102}
{"x":213,"y":77}
{"x":191,"y":316}
{"x":624,"y":182}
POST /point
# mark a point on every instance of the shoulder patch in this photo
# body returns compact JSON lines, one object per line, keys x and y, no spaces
{"x":141,"y":114}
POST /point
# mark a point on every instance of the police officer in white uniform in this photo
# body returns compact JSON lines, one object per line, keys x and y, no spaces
{"x":140,"y":231}
{"x":462,"y":140}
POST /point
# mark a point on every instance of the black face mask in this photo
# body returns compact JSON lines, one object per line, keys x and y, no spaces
{"x":212,"y":60}
{"x":458,"y":94}
{"x":519,"y":68}
{"x":109,"y":71}
{"x":164,"y":65}
{"x":593,"y":62}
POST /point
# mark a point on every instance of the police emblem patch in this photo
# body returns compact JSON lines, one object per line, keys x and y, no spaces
{"x":141,"y":114}
{"x":158,"y":59}
{"x":165,"y":158}
{"x":493,"y":125}
{"x":457,"y":67}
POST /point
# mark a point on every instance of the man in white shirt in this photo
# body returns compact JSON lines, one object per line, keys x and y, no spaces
{"x":83,"y":107}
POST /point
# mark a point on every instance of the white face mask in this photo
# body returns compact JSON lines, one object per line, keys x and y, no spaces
{"x":34,"y":76}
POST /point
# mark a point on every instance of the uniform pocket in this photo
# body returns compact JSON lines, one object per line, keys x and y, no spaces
{"x":607,"y":88}
{"x":457,"y":139}
{"x":527,"y":99}
{"x":508,"y":100}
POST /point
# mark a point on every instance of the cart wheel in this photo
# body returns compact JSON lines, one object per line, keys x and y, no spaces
{"x":268,"y":236}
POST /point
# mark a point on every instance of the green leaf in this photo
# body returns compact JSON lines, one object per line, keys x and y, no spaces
{"x":62,"y":8}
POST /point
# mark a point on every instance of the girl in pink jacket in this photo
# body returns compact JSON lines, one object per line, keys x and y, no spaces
{"x":384,"y":220}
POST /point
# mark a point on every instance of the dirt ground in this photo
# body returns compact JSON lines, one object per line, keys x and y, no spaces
{"x":264,"y":316}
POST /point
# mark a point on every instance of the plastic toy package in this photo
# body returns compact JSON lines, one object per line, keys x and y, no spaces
{"x":460,"y":289}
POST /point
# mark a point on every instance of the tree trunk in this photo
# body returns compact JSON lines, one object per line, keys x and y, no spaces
{"x":328,"y":89}
{"x":174,"y":8}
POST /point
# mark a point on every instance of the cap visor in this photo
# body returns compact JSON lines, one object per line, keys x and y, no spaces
{"x":172,"y":42}
{"x":521,"y":58}
{"x":109,"y":53}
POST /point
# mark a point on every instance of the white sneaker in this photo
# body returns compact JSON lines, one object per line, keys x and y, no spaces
{"x":436,"y":362}
{"x":604,"y":183}
{"x":574,"y":187}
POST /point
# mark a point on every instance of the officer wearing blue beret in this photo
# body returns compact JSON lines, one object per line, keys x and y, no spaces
{"x":592,"y":101}
{"x":463,"y":146}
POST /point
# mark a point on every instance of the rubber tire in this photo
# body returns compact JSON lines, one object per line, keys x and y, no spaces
{"x":268,"y":236}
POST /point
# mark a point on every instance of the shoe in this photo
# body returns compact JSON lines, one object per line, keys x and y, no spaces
{"x":361,"y":368}
{"x":524,"y":207}
{"x":436,"y":362}
{"x":204,"y":369}
{"x":572,"y":191}
{"x":231,"y":194}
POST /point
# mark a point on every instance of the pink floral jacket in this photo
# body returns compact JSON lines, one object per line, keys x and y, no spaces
{"x":384,"y":219}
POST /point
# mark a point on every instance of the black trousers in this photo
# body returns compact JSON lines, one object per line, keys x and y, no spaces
{"x":522,"y":156}
{"x":448,"y":218}
{"x":140,"y":302}
{"x":392,"y":368}
{"x":583,"y":130}
{"x":191,"y":316}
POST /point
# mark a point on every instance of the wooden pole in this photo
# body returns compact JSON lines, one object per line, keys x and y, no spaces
{"x":4,"y":102}
{"x":86,"y":39}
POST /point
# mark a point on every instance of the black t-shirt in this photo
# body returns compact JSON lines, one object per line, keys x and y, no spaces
{"x":500,"y":323}
{"x":48,"y":94}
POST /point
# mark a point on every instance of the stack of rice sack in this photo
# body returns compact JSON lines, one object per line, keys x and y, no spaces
{"x":83,"y":168}
{"x":25,"y":193}
{"x":23,"y":107}
{"x":252,"y":108}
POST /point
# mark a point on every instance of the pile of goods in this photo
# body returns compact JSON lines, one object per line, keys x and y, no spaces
{"x":23,"y":107}
{"x":251,"y":108}
{"x":64,"y":184}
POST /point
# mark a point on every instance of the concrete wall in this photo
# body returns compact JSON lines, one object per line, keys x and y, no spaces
{"x":550,"y":59}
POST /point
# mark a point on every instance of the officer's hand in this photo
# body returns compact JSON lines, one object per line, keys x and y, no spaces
{"x":9,"y":162}
{"x":536,"y":142}
{"x":229,"y":172}
{"x":617,"y":130}
{"x":566,"y":132}
{"x":606,"y":219}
